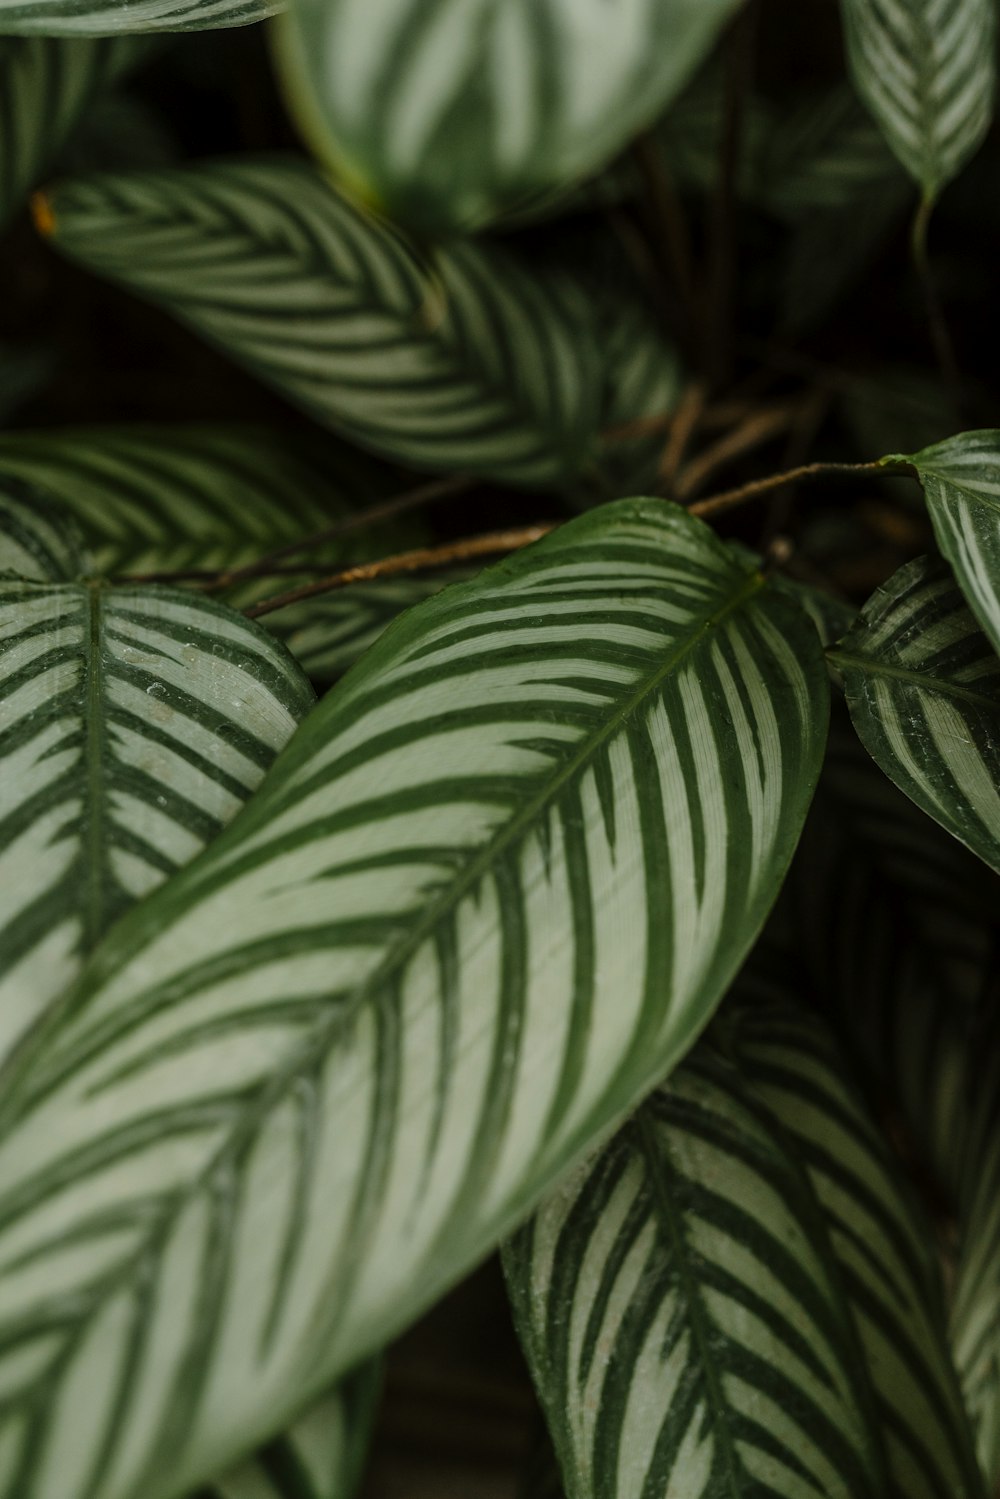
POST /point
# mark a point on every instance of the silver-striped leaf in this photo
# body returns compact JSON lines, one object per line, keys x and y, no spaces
{"x":36,"y":540}
{"x":961,"y":482}
{"x":98,"y":18}
{"x":927,"y":71}
{"x":463,"y":361}
{"x":157,"y":499}
{"x":134,"y":723}
{"x":47,"y":85}
{"x":321,"y":1457}
{"x":899,"y":929}
{"x":923,"y":688}
{"x":735,"y":1297}
{"x":450,"y":116}
{"x":492,"y":889}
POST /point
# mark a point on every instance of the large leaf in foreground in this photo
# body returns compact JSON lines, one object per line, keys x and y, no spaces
{"x":448,"y":118}
{"x":489,"y":893}
{"x":135,"y":723}
{"x":927,"y":71}
{"x":46,"y":85}
{"x":923,"y":687}
{"x":462,"y":361}
{"x":961,"y":481}
{"x":702,"y":1314}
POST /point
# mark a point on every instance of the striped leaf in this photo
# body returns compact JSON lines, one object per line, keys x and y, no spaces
{"x":97,"y":18}
{"x":899,"y":928}
{"x":135,"y":722}
{"x":927,"y":71}
{"x":961,"y":481}
{"x":35,"y":540}
{"x":152,"y":499}
{"x":465,"y":362}
{"x":321,"y":1457}
{"x":449,"y":116}
{"x":734,"y":1297}
{"x":326,"y":635}
{"x":490,"y":892}
{"x":47,"y":85}
{"x":923,"y":687}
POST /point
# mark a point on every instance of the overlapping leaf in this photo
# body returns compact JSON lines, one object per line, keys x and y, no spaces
{"x":961,"y":480}
{"x":321,"y":1457}
{"x":927,"y":71}
{"x":899,"y":925}
{"x":462,"y":362}
{"x":488,"y":894}
{"x":35,"y":540}
{"x":448,"y":117}
{"x":135,"y":722}
{"x":46,"y":85}
{"x":923,"y":687}
{"x":733,"y":1297}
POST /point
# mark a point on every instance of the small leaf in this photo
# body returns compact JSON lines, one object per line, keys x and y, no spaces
{"x":923,"y":687}
{"x":961,"y":480}
{"x":734,"y":1295}
{"x":461,"y":362}
{"x":492,"y":889}
{"x":449,"y":118}
{"x":927,"y":71}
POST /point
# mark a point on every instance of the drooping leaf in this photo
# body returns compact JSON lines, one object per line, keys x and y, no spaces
{"x":923,"y":687}
{"x":490,"y":892}
{"x":460,"y":362}
{"x":448,"y":117}
{"x":135,"y":723}
{"x":961,"y":481}
{"x":98,"y":18}
{"x":321,"y":1457}
{"x":927,"y":71}
{"x":734,"y":1297}
{"x":47,"y":85}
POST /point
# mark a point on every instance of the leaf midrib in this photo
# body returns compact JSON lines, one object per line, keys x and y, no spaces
{"x":872,"y":666}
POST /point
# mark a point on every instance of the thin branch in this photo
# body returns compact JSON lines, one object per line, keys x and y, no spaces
{"x":669,"y":232}
{"x":757,"y":429}
{"x":730,"y":498}
{"x":420,"y":560}
{"x":682,"y":429}
{"x":809,"y":418}
{"x":399,"y":504}
{"x":937,"y":323}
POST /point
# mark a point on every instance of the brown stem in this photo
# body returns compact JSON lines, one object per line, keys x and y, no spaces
{"x":682,"y":429}
{"x":420,"y":560}
{"x":730,"y":498}
{"x":668,"y":228}
{"x":809,"y":418}
{"x":399,"y":504}
{"x":757,"y":429}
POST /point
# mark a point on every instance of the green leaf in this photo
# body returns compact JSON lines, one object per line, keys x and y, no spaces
{"x":927,"y":71}
{"x":155,"y":499}
{"x":321,"y":1457}
{"x":463,"y":362}
{"x":734,"y":1297}
{"x":35,"y":540}
{"x":492,"y":889}
{"x":97,"y":18}
{"x":47,"y":85}
{"x":961,"y":481}
{"x":136,"y":721}
{"x":449,"y":117}
{"x":923,"y":687}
